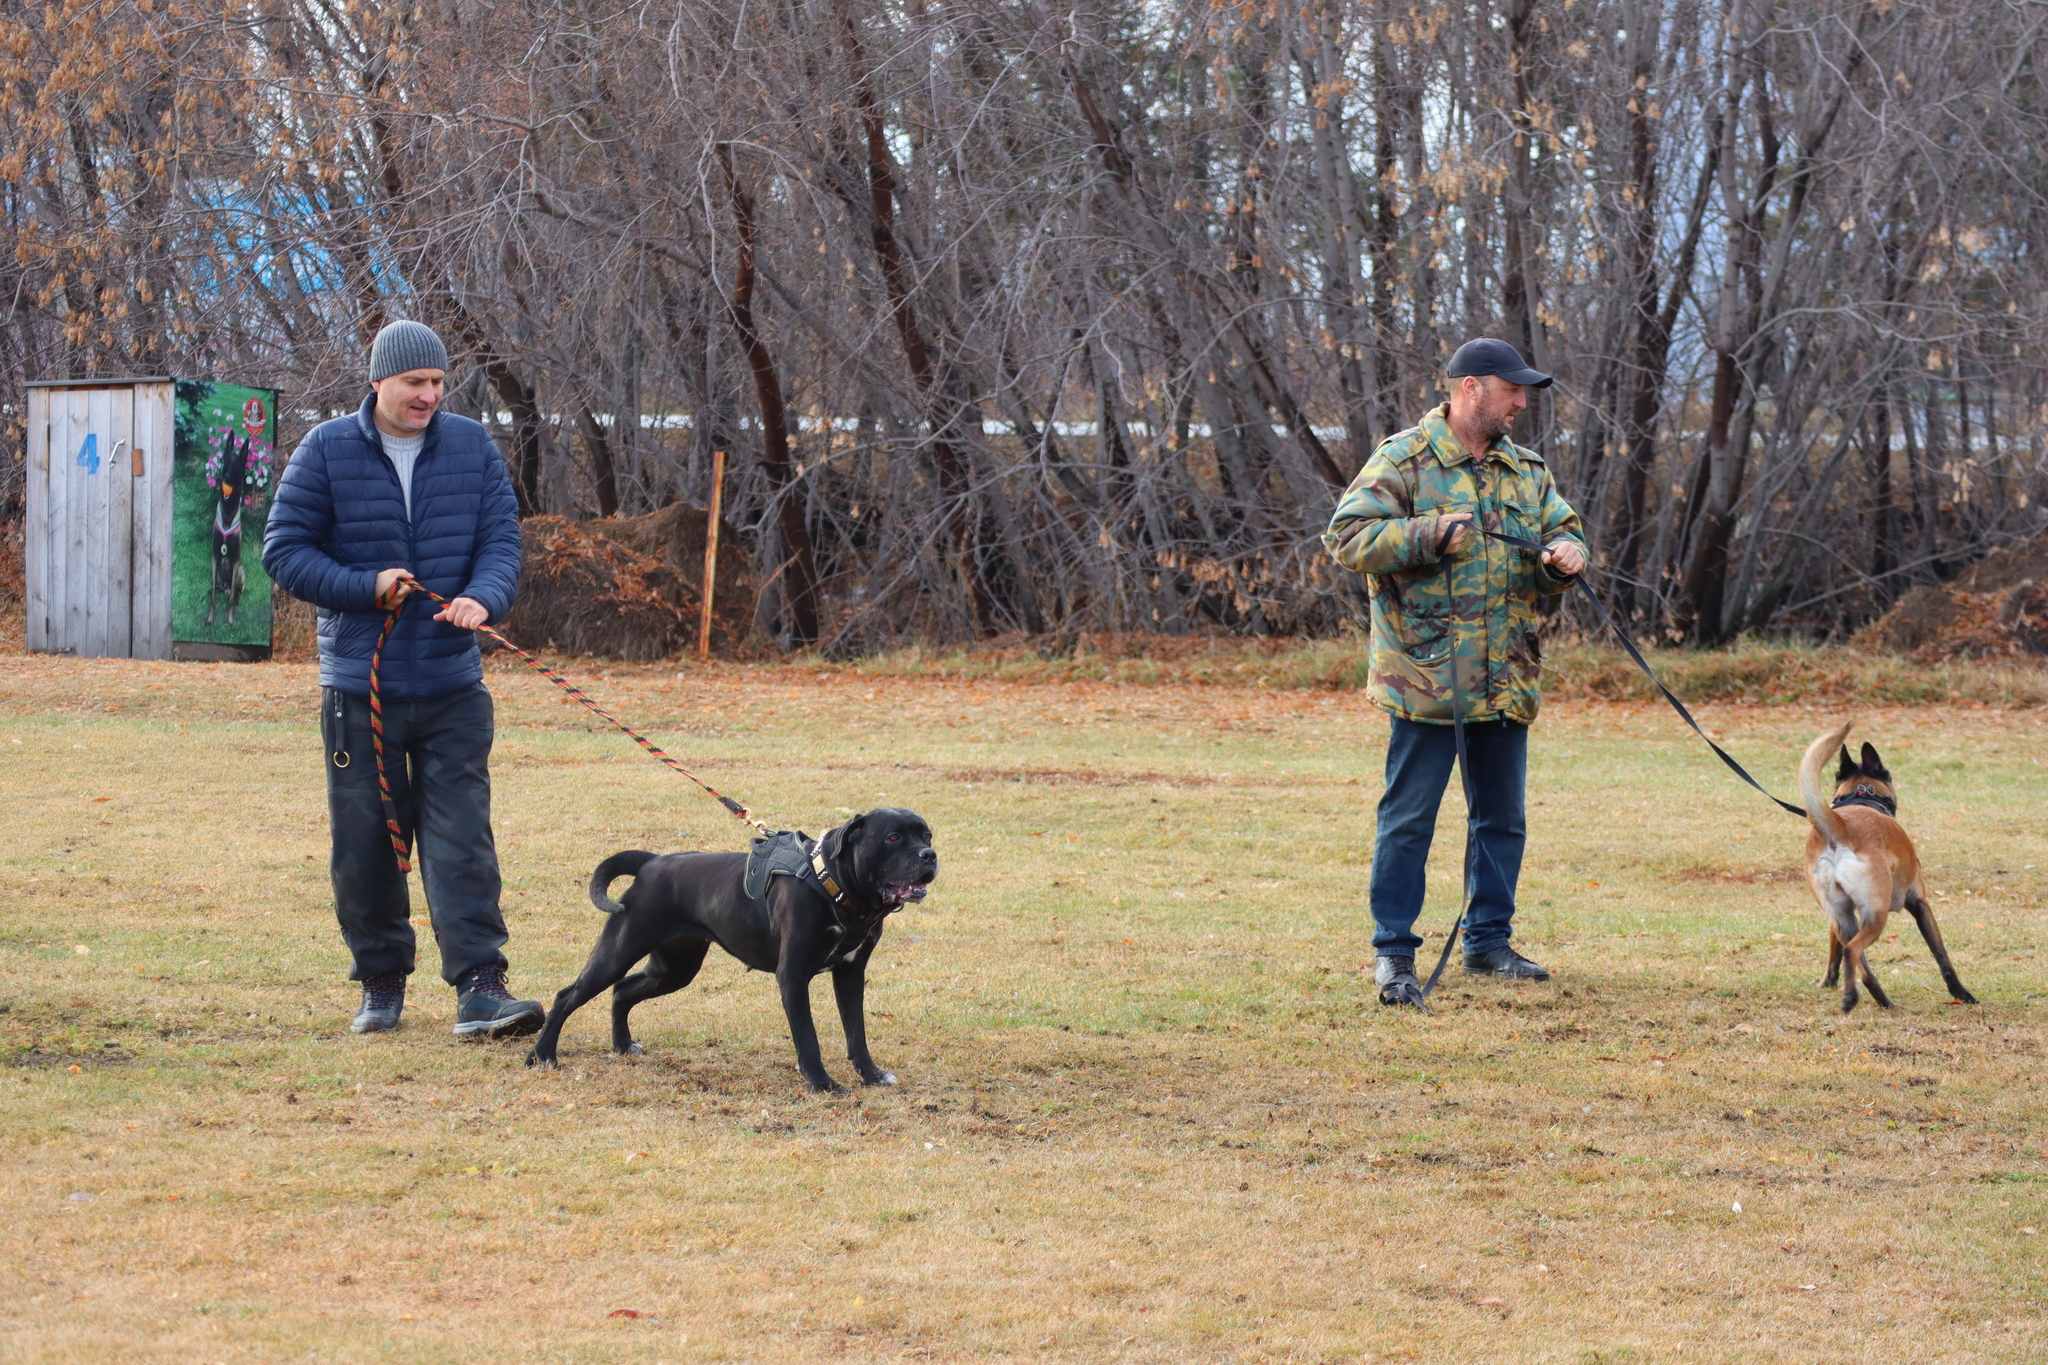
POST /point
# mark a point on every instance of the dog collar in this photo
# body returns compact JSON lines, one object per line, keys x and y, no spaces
{"x":825,"y":877}
{"x":833,"y":889}
{"x":1871,"y":797}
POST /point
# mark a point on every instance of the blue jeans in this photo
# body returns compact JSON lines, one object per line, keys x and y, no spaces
{"x":438,"y":753}
{"x":1419,"y":762}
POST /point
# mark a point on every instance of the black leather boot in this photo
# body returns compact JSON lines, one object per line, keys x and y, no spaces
{"x":1506,"y":963}
{"x":1395,"y":976}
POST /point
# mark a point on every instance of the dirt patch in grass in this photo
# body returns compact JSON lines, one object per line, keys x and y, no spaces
{"x":1752,"y":877}
{"x":1150,"y":1111}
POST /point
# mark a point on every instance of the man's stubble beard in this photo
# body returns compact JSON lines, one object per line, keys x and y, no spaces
{"x":403,"y":421}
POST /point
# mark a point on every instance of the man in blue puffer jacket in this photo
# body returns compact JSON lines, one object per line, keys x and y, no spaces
{"x":402,"y":494}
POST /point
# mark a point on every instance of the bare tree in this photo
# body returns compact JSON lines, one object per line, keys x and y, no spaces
{"x":1051,"y":319}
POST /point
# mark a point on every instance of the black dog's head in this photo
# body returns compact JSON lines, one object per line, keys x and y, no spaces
{"x":1866,"y":778}
{"x":234,"y":471}
{"x":885,"y":857}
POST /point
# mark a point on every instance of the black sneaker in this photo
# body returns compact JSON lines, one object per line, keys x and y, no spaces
{"x":383,"y":1002}
{"x":1395,"y":976}
{"x":485,"y":1009}
{"x":1506,"y":963}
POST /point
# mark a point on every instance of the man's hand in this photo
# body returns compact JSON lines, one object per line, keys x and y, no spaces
{"x":465,"y":612}
{"x":1566,"y":557}
{"x":393,"y":587}
{"x":1454,"y":524}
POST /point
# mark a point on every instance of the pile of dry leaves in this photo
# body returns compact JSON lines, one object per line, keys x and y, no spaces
{"x":1998,"y":609}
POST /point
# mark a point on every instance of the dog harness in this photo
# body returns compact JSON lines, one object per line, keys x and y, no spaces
{"x":1868,"y":796}
{"x":785,"y":853}
{"x":792,"y":853}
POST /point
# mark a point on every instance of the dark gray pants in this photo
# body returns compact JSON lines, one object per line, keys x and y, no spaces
{"x":438,"y":756}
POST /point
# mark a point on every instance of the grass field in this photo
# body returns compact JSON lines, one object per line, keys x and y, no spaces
{"x":1149,"y":1113}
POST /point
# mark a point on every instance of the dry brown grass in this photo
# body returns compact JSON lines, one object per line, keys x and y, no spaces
{"x":1772,"y":673}
{"x":1149,"y":1111}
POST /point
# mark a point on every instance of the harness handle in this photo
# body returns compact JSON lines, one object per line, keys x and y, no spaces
{"x":401,"y":847}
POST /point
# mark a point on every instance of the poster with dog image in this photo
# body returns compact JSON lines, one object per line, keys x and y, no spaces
{"x":222,"y":474}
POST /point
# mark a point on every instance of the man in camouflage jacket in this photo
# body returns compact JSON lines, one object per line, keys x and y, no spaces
{"x":1411,"y":504}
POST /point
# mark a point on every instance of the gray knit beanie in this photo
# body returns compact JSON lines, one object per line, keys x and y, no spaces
{"x":406,"y":346}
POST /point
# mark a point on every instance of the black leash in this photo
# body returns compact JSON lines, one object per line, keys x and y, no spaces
{"x":1443,"y":960}
{"x":1642,"y":663}
{"x":1420,"y":997}
{"x":1411,"y":995}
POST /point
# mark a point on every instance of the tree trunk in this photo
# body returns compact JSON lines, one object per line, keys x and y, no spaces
{"x":1877,"y":464}
{"x":604,"y":469}
{"x":524,"y":405}
{"x":958,"y":521}
{"x":800,"y":566}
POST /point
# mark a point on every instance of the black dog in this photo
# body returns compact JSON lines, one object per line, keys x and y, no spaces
{"x":233,"y":496}
{"x":824,"y":909}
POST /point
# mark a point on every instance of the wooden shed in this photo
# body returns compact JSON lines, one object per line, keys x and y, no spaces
{"x":146,"y":500}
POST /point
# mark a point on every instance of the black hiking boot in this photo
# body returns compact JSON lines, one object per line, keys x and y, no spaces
{"x":1505,"y":963}
{"x":1395,"y":976}
{"x":383,"y":1002}
{"x":485,"y":1009}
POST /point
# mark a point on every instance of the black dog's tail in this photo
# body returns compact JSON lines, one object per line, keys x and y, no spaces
{"x":627,"y":864}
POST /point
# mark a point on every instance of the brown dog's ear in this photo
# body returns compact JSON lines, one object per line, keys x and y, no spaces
{"x":1848,"y":768}
{"x":1873,"y":766}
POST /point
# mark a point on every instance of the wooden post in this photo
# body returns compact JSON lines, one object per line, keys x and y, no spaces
{"x":711,"y":551}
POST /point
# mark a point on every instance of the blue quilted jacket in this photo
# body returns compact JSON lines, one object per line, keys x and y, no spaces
{"x":339,"y":518}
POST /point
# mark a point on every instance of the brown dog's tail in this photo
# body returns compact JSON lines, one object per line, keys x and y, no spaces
{"x":627,"y":864}
{"x":1813,"y":792}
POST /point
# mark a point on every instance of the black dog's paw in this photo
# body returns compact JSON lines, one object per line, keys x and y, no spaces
{"x":828,"y":1086}
{"x":629,"y":1050}
{"x":876,"y":1076}
{"x":534,"y":1059}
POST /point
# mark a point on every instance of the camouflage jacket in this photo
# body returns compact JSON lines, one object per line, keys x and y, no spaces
{"x":1385,"y":528}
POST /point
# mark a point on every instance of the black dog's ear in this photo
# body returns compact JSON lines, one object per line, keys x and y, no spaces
{"x":837,"y":841}
{"x":1873,"y":766}
{"x":1848,"y":768}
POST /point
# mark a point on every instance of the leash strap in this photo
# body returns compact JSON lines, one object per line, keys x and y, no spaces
{"x":1472,"y":843}
{"x":1642,"y":663}
{"x":1464,"y":780}
{"x":400,"y":844}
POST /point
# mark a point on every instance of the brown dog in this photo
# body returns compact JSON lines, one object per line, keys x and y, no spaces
{"x":1863,"y":866}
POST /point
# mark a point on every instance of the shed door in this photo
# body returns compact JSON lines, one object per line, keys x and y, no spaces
{"x":88,"y":526}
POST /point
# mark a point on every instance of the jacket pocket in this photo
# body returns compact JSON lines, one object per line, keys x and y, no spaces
{"x":1522,"y":520}
{"x":1429,"y":642}
{"x":1412,"y":615}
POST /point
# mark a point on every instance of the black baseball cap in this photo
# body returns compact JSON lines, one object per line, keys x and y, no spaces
{"x":1484,"y":356}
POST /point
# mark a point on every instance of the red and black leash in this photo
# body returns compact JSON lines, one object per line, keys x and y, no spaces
{"x":400,"y":847}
